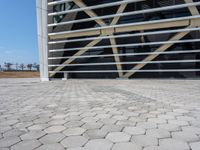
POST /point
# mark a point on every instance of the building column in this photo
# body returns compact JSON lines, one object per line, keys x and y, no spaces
{"x":42,"y":38}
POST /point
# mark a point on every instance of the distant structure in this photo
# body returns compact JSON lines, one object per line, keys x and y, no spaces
{"x":119,"y":38}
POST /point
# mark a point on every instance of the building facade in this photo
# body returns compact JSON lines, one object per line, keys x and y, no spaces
{"x":119,"y":38}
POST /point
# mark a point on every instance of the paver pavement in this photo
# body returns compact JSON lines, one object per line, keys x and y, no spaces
{"x":99,"y":114}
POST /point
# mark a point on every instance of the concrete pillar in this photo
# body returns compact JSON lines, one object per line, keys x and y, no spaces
{"x":42,"y":38}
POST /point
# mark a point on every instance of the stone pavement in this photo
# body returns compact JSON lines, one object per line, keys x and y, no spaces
{"x":99,"y":114}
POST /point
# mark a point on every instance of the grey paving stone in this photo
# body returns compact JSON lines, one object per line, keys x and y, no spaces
{"x":26,"y":145}
{"x":74,"y":141}
{"x":144,"y":140}
{"x":54,"y":129}
{"x":55,"y":146}
{"x":185,"y":136}
{"x":112,"y":128}
{"x":169,"y":144}
{"x":52,"y":138}
{"x":100,"y":107}
{"x":8,"y":141}
{"x":169,"y":127}
{"x":195,"y":145}
{"x":74,"y":131}
{"x":98,"y":144}
{"x":126,"y":146}
{"x":95,"y":134}
{"x":118,"y":137}
{"x":32,"y":135}
{"x":37,"y":127}
{"x":134,"y":130}
{"x":158,"y":133}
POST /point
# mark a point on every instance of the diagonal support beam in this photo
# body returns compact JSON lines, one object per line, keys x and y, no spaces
{"x":80,"y":52}
{"x":193,"y":9}
{"x":90,"y":13}
{"x":113,"y":42}
{"x":162,"y":48}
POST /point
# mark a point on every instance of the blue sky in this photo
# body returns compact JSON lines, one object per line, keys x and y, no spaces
{"x":18,"y":31}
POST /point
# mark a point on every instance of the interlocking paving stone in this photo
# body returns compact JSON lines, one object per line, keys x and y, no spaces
{"x":74,"y":131}
{"x":8,"y":141}
{"x":145,"y":140}
{"x":32,"y":135}
{"x":169,"y":144}
{"x":52,"y":138}
{"x":27,"y":144}
{"x":74,"y":141}
{"x":89,"y":111}
{"x":185,"y":136}
{"x":134,"y":130}
{"x":95,"y":134}
{"x":158,"y":133}
{"x":55,"y":146}
{"x":195,"y":145}
{"x":54,"y":129}
{"x":126,"y":146}
{"x":98,"y":144}
{"x":118,"y":137}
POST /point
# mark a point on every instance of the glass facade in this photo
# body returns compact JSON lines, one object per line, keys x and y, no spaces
{"x":124,"y":38}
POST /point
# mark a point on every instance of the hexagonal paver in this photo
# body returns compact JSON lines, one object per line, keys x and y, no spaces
{"x":38,"y":127}
{"x":98,"y":144}
{"x":134,"y":130}
{"x":73,"y":124}
{"x":185,"y":136}
{"x":145,"y":140}
{"x":77,"y":148}
{"x":55,"y":146}
{"x":95,"y":134}
{"x":158,"y":133}
{"x":8,"y":141}
{"x":126,"y":146}
{"x":54,"y":129}
{"x":52,"y":138}
{"x":92,"y":125}
{"x":118,"y":137}
{"x":74,"y":131}
{"x":195,"y":145}
{"x":169,"y":127}
{"x":32,"y":135}
{"x":169,"y":144}
{"x":13,"y":132}
{"x":74,"y":141}
{"x":28,"y":144}
{"x":112,"y":128}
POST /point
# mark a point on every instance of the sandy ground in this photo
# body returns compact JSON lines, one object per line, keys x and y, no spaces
{"x":19,"y":74}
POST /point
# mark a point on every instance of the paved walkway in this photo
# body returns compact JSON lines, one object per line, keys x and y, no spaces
{"x":99,"y":115}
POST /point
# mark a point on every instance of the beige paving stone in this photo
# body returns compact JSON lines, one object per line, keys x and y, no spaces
{"x":118,"y":137}
{"x":74,"y":141}
{"x":98,"y":144}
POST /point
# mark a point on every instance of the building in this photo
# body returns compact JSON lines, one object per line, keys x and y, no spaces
{"x":119,"y":38}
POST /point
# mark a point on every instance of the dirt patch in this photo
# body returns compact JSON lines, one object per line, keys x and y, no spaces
{"x":19,"y":74}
